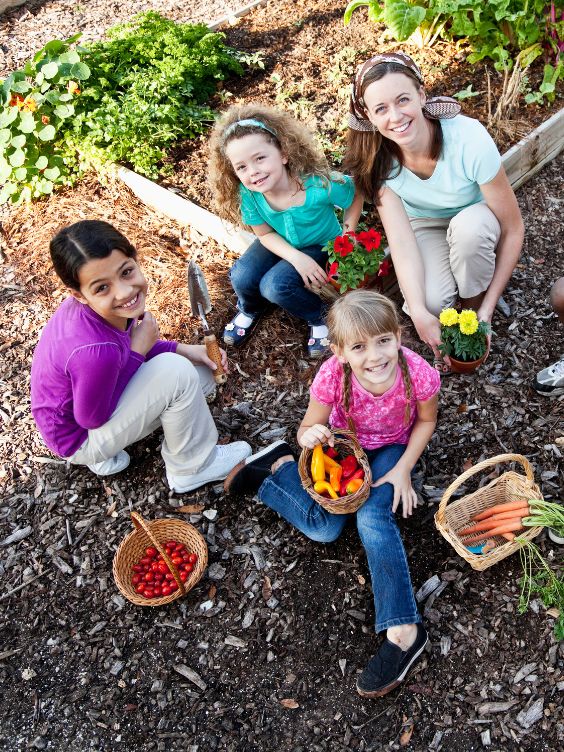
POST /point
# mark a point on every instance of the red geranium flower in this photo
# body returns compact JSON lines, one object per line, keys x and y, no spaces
{"x":333,"y":269}
{"x":370,"y":239}
{"x":343,"y":246}
{"x":384,"y":268}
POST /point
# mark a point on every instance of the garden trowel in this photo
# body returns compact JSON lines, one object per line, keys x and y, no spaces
{"x":201,"y":305}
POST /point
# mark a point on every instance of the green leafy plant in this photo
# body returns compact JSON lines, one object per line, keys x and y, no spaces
{"x":467,"y":93}
{"x":541,"y":580}
{"x":462,"y":335}
{"x":552,"y":74}
{"x":353,"y":257}
{"x":37,"y":104}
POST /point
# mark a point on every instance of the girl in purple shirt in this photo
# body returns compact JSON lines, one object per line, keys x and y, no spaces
{"x":388,"y":395}
{"x":102,"y":379}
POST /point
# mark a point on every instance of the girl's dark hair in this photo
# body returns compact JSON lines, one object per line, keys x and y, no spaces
{"x":89,"y":239}
{"x":370,"y":158}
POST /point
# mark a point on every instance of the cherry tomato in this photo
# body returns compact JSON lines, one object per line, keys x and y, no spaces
{"x":155,"y":566}
{"x":183,"y":576}
{"x":151,"y":552}
{"x":136,"y":579}
{"x":158,"y":591}
{"x":188,"y":568}
{"x":163,"y":567}
{"x":169,"y":576}
{"x":171,"y":544}
{"x":149,"y":576}
{"x":192,"y":558}
{"x":149,"y":593}
{"x":166,"y":590}
{"x":173,"y":586}
{"x":137,"y":567}
{"x":179,"y":546}
{"x":159,"y":576}
{"x":176,"y":560}
{"x":146,"y":560}
{"x":140,"y":589}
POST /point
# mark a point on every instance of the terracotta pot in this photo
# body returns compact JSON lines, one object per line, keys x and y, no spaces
{"x":465,"y":366}
{"x":368,"y":281}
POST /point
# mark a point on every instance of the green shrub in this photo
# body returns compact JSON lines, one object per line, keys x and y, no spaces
{"x":125,"y":99}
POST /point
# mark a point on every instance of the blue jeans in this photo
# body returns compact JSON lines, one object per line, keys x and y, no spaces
{"x":394,"y":602}
{"x":259,"y":276}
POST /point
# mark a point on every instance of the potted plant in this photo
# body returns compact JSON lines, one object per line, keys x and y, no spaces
{"x":464,"y":339}
{"x":355,"y":260}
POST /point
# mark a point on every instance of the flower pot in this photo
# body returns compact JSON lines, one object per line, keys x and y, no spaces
{"x":368,"y":281}
{"x":555,"y":537}
{"x":465,"y":366}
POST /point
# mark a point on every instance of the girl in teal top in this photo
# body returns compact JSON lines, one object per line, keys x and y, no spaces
{"x":266,"y":172}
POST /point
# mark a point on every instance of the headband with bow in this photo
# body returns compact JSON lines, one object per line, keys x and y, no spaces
{"x":435,"y":107}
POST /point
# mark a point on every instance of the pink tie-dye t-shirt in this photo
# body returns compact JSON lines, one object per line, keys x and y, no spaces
{"x":378,"y":418}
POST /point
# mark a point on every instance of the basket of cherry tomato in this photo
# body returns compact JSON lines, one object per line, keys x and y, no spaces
{"x":159,"y":561}
{"x":337,"y":477}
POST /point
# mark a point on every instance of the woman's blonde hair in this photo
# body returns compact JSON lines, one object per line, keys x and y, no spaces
{"x":358,"y":315}
{"x":293,"y":139}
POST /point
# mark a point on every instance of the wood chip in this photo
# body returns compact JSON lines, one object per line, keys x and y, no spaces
{"x":191,"y":675}
{"x":290,"y":704}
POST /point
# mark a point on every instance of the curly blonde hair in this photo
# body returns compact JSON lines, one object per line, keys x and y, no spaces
{"x":355,"y":316}
{"x":293,"y":139}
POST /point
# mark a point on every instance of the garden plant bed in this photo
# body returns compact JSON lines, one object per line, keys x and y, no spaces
{"x":263,"y":654}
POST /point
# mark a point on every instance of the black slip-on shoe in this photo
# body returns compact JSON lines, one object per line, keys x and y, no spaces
{"x":389,"y":666}
{"x":247,"y":477}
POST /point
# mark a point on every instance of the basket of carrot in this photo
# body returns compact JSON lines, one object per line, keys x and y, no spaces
{"x":337,"y":477}
{"x":486,"y":526}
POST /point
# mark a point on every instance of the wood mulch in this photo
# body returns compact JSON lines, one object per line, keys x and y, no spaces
{"x":278,"y":628}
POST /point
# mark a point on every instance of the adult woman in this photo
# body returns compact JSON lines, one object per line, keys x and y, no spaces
{"x":449,"y":213}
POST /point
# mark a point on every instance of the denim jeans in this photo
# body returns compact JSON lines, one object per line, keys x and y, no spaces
{"x":394,"y":602}
{"x":259,"y":276}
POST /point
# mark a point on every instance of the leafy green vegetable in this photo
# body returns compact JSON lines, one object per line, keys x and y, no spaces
{"x":539,"y":579}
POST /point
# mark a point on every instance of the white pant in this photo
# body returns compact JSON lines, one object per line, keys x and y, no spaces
{"x":458,"y":254}
{"x":166,"y":391}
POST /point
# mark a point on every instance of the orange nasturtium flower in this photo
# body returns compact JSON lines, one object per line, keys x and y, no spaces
{"x":29,"y":105}
{"x":73,"y":88}
{"x":17,"y":101}
{"x":44,"y":119}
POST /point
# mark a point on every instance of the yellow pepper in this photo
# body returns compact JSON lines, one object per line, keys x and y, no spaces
{"x":335,"y":475}
{"x":322,"y":486}
{"x":317,"y":464}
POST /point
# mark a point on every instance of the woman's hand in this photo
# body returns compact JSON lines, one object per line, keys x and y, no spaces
{"x":316,"y":434}
{"x":429,"y":330}
{"x":309,"y":270}
{"x":144,"y":333}
{"x":403,"y":490}
{"x":198,"y":354}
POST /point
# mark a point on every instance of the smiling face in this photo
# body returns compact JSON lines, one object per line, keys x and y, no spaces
{"x":258,"y":163}
{"x":394,"y":105}
{"x":113,"y":287}
{"x":373,"y":360}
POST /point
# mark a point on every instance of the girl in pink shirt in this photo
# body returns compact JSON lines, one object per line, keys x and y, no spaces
{"x":388,"y":395}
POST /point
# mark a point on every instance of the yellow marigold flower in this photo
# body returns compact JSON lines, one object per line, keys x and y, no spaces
{"x":449,"y":317}
{"x":468,"y":322}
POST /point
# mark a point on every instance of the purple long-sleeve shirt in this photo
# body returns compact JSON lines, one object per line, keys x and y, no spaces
{"x":80,"y":368}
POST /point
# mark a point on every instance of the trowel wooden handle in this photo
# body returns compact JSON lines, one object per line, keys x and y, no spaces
{"x":214,"y":353}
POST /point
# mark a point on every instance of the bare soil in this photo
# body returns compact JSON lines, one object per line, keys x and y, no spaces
{"x":279,"y":626}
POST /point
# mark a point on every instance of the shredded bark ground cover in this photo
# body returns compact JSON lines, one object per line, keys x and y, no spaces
{"x":263,"y":654}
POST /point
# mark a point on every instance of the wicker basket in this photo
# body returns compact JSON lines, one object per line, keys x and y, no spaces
{"x":347,"y":441}
{"x":155,"y":533}
{"x":510,"y":486}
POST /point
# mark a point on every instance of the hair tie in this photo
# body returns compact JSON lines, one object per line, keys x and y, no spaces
{"x":436,"y":108}
{"x":247,"y":123}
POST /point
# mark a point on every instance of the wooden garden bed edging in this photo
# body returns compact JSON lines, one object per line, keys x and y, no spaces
{"x":521,"y":162}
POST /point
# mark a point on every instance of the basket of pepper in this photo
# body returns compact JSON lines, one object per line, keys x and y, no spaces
{"x":338,"y":478}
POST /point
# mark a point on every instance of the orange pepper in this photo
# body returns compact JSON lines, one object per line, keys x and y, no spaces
{"x":322,"y":487}
{"x":354,"y":485}
{"x":335,"y":474}
{"x":317,"y":464}
{"x":329,"y":462}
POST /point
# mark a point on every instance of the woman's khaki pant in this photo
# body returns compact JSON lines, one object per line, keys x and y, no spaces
{"x":458,"y":254}
{"x":167,"y":391}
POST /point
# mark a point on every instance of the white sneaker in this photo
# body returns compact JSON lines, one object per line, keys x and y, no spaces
{"x":113,"y":465}
{"x":550,"y":381}
{"x":226,"y":456}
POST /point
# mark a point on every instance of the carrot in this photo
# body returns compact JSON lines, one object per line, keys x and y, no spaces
{"x":508,"y":536}
{"x":522,"y":512}
{"x":507,"y":526}
{"x":479,"y":526}
{"x":506,"y":507}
